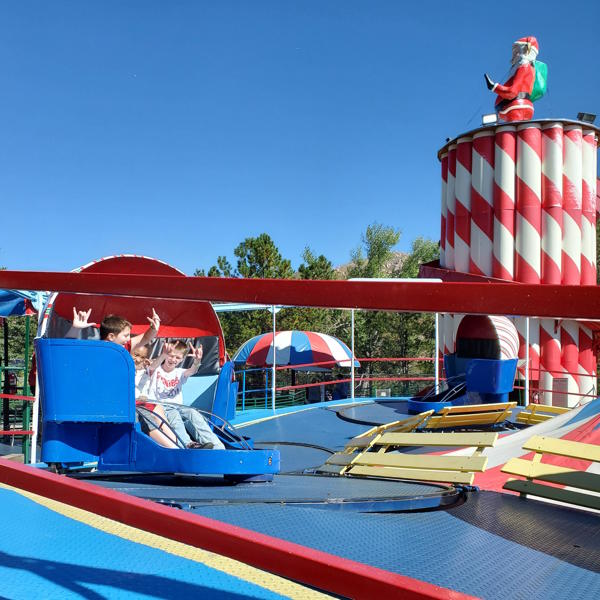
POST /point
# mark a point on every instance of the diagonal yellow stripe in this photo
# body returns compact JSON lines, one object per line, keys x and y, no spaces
{"x":232,"y":567}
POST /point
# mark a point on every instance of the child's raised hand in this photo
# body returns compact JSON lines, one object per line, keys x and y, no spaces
{"x":196,"y":352}
{"x":154,"y":321}
{"x":167,"y":349}
{"x":80,"y":319}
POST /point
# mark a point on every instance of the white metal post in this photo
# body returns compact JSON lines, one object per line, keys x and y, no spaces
{"x":352,"y":348}
{"x":273,"y":383}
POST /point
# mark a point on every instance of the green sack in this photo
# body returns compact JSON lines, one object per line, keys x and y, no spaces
{"x":540,"y":81}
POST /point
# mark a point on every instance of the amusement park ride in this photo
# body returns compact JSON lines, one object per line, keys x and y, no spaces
{"x":517,"y":240}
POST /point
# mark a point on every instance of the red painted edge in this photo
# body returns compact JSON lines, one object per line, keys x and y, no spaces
{"x":305,"y":565}
{"x":560,"y":301}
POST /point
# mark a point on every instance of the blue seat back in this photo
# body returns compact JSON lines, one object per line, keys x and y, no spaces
{"x":491,"y":376}
{"x":87,"y":399}
{"x":226,"y":393}
{"x":85,"y":381}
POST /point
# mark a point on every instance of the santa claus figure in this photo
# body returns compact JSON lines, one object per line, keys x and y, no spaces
{"x":514,"y":103}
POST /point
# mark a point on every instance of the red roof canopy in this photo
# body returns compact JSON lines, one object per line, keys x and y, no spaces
{"x":179,"y":318}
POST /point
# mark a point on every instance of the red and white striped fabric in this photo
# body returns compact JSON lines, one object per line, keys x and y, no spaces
{"x":529,"y":204}
{"x":552,"y":182}
{"x":549,"y":358}
{"x":294,"y":348}
{"x":444,"y":159}
{"x":450,"y":207}
{"x":571,"y":244}
{"x":482,"y":203}
{"x":462,"y":193}
{"x":505,"y":153}
{"x":569,"y":341}
{"x":588,"y":209}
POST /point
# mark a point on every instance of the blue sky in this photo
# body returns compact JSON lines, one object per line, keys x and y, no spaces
{"x":176,"y":129}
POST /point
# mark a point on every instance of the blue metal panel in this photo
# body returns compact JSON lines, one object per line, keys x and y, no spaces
{"x":85,"y":381}
{"x":226,"y":394}
{"x":70,"y":442}
{"x":149,"y":456}
{"x":491,"y":376}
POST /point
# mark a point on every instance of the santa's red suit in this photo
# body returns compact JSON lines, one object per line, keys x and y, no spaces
{"x":513,"y":103}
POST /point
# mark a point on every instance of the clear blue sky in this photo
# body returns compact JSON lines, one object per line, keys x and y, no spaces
{"x":178,"y":128}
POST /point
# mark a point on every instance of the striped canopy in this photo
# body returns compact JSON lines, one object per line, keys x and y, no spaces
{"x":295,"y":348}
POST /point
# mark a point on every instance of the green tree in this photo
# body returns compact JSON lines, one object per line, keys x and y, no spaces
{"x":222,"y":269}
{"x":369,"y":260}
{"x":260,"y":257}
{"x":315,"y":267}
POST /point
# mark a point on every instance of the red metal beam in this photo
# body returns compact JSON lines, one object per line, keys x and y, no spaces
{"x":312,"y":567}
{"x":474,"y":298}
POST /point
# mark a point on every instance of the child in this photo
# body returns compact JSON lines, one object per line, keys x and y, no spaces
{"x":166,"y":386}
{"x":144,"y":367}
{"x":155,"y":426}
{"x":115,"y":329}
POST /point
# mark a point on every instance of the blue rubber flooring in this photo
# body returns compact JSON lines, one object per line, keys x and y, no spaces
{"x":46,"y":555}
{"x":519,"y":549}
{"x":321,"y":427}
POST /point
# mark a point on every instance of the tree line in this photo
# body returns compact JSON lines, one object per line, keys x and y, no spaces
{"x":377,"y":333}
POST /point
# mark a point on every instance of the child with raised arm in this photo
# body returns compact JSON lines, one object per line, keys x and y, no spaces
{"x":154,"y":420}
{"x":115,"y":329}
{"x":166,"y":386}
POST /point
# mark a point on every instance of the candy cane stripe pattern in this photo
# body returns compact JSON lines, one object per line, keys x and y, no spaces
{"x":482,"y":203}
{"x":569,"y":341}
{"x":549,"y":358}
{"x":504,"y":203}
{"x":444,"y":159}
{"x":450,"y":207}
{"x":462,"y":192}
{"x":587,"y":364}
{"x":529,"y":207}
{"x":588,"y":209}
{"x":571,"y":244}
{"x":552,"y":220}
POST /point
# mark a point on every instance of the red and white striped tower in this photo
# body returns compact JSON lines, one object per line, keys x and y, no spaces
{"x":587,"y":359}
{"x":587,"y":365}
{"x":450,"y":207}
{"x":544,"y":216}
{"x":462,"y":192}
{"x":505,"y":153}
{"x":550,"y":358}
{"x":444,"y":159}
{"x":448,"y":334}
{"x":571,"y":242}
{"x":482,"y":203}
{"x":588,"y":209}
{"x":552,"y":181}
{"x":449,"y":247}
{"x":528,"y":226}
{"x":571,"y":248}
{"x":552,"y":202}
{"x":569,"y":341}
